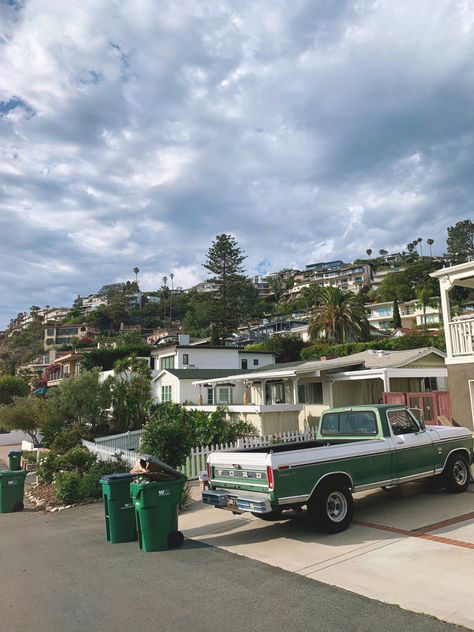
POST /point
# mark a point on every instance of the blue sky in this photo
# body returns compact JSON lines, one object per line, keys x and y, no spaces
{"x":132,"y":132}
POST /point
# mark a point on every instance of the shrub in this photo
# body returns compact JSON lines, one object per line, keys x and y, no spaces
{"x":78,"y":459}
{"x":49,"y":466}
{"x":67,"y":487}
{"x":70,"y":438}
{"x":168,"y":434}
{"x":89,"y":486}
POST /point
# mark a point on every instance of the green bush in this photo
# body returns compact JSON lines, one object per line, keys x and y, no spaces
{"x":49,"y":466}
{"x":78,"y":459}
{"x":67,"y":487}
{"x":89,"y":486}
{"x":70,"y":438}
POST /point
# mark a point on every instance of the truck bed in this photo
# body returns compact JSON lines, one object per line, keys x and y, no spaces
{"x":300,"y":445}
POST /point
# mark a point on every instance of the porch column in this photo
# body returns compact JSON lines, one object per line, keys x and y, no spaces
{"x":331,"y":393}
{"x":386,"y":380}
{"x":295,"y":390}
{"x":445,"y":285}
{"x":262,"y":392}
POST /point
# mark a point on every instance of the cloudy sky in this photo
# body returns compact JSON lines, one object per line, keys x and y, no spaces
{"x":134,"y":131}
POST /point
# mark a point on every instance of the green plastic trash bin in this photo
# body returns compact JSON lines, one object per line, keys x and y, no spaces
{"x":12,"y":487}
{"x":156,"y":512}
{"x":118,"y":507}
{"x":14,"y":460}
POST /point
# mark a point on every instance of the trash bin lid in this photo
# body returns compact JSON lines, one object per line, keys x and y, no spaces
{"x":151,"y":465}
{"x":15,"y":453}
{"x":115,"y":478}
{"x":13,"y":473}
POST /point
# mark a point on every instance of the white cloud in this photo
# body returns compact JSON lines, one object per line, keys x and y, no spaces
{"x":310,"y":130}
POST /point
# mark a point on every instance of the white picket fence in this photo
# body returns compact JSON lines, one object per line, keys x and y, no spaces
{"x":125,"y":441}
{"x":196,"y":461}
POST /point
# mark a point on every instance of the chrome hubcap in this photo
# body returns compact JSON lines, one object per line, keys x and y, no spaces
{"x":460,"y":472}
{"x":336,"y":506}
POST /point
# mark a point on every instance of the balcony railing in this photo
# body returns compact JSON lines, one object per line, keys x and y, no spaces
{"x":461,"y":333}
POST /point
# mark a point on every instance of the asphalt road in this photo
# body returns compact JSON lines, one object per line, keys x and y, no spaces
{"x":58,"y":574}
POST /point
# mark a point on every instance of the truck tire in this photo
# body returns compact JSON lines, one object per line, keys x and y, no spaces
{"x":456,"y":474}
{"x":331,"y":507}
{"x":271,"y":516}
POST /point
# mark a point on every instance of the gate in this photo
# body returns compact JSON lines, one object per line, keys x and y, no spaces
{"x":433,"y":404}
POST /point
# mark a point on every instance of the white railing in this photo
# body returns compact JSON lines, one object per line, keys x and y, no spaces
{"x":196,"y":461}
{"x":461,"y":334}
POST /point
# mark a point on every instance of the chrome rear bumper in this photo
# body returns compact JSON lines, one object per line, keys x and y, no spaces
{"x":236,"y":502}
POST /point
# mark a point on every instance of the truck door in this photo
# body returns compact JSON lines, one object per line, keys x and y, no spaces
{"x":414,"y":447}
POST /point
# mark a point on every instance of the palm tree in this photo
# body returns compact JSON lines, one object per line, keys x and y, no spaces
{"x":410,"y":247}
{"x":369,"y":252}
{"x":425,"y":299}
{"x":136,"y":271}
{"x":383,"y":253}
{"x":430,"y":242}
{"x":338,"y":316}
{"x":419,"y":240}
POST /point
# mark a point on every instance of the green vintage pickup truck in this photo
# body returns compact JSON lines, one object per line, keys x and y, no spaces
{"x":356,"y":448}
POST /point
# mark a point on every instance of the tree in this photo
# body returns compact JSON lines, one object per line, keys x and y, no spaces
{"x":419,"y":240}
{"x":460,"y":241}
{"x":430,"y":242}
{"x":339,"y":316}
{"x":383,"y":253}
{"x":395,"y":285}
{"x":130,"y":393}
{"x":20,"y":415}
{"x":224,"y":261}
{"x":10,"y":387}
{"x":396,"y":318}
{"x":424,"y":294}
{"x":83,"y":399}
{"x":135,"y":272}
{"x":286,"y":348}
{"x":369,"y":251}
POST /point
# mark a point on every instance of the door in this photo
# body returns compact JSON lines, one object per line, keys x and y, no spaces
{"x":414,"y":447}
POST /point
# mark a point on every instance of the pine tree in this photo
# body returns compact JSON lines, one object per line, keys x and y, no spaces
{"x":224,"y":262}
{"x":396,"y":318}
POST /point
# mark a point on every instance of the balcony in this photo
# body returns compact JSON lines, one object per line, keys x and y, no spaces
{"x":461,"y":334}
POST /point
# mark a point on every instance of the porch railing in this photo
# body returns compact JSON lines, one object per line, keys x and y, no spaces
{"x":461,"y":333}
{"x":196,"y":461}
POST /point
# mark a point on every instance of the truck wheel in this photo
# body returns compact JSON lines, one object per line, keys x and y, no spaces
{"x":270,"y":516}
{"x":456,"y":474}
{"x":331,"y":507}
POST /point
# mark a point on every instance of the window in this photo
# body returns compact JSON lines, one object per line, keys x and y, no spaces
{"x":50,"y":341}
{"x":255,"y":362}
{"x":430,"y":384}
{"x":50,"y":331}
{"x":349,"y":424}
{"x":244,"y":364}
{"x":185,"y":358}
{"x":310,"y":393}
{"x":274,"y":393}
{"x":402,"y":422}
{"x":223,"y":395}
{"x":166,"y":393}
{"x":167,"y":362}
{"x":210,"y":396}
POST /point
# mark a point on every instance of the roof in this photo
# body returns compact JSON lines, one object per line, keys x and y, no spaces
{"x":214,"y":347}
{"x":203,"y":374}
{"x":371,"y":359}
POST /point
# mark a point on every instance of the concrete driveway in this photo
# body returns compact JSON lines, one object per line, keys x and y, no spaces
{"x":416,"y":550}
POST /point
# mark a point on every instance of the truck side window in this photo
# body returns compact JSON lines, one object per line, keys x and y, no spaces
{"x":402,"y":422}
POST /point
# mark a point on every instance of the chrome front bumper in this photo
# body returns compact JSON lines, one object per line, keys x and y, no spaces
{"x":238,"y":503}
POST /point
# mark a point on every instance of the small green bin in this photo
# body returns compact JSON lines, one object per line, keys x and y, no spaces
{"x":156,"y":512}
{"x":118,"y":507}
{"x":14,"y":460}
{"x":12,"y":488}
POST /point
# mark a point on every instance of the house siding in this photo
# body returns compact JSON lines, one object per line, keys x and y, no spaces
{"x":458,"y":383}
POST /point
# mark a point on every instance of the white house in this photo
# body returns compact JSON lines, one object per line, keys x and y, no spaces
{"x":291,"y":396}
{"x":459,"y":332}
{"x":380,"y":315}
{"x":184,"y":355}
